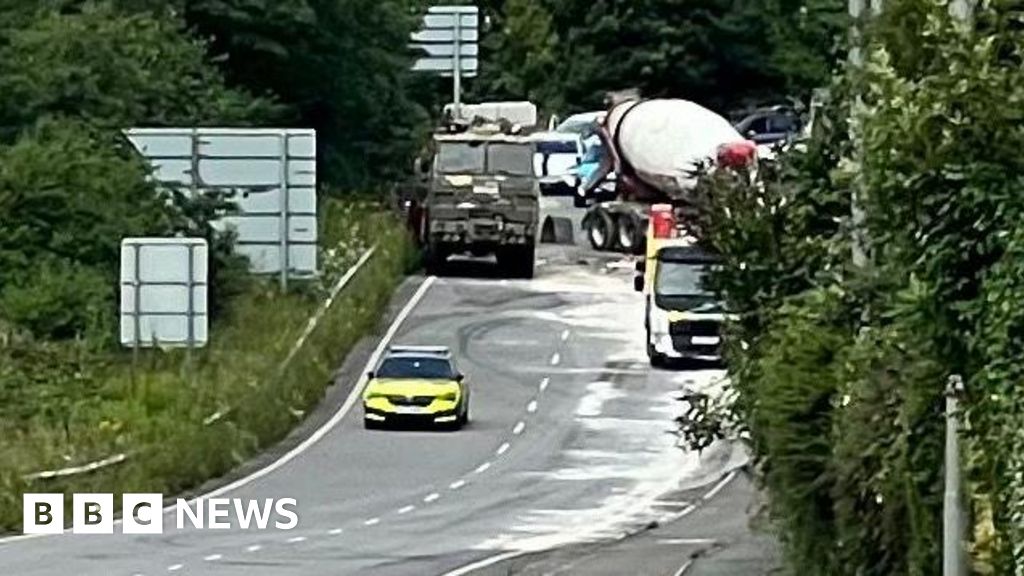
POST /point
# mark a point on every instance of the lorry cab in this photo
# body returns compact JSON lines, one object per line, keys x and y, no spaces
{"x":683,"y":318}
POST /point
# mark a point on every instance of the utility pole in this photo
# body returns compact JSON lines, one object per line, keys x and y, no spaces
{"x":856,"y":9}
{"x":953,"y":536}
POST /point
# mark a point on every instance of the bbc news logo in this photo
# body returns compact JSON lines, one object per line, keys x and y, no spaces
{"x":144,"y":514}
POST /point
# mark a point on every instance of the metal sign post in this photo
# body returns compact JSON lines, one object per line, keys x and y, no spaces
{"x":449,"y":39}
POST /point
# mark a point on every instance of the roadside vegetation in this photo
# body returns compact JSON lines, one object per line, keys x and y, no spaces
{"x":840,"y":369}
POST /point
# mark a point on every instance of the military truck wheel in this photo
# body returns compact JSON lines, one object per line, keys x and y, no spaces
{"x":434,"y":259}
{"x":600,"y":229}
{"x":517,"y":262}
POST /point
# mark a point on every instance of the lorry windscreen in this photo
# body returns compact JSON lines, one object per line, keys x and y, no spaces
{"x":461,"y":158}
{"x":681,"y":286}
{"x":510,"y":159}
{"x":681,"y":279}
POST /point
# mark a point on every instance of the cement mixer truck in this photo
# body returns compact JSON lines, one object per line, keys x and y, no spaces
{"x":654,"y":150}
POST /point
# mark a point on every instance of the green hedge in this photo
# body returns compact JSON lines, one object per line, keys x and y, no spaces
{"x":840,"y":369}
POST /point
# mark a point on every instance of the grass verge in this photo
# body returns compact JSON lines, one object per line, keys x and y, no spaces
{"x":181,"y":423}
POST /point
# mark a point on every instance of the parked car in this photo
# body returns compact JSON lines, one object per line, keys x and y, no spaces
{"x":555,"y":162}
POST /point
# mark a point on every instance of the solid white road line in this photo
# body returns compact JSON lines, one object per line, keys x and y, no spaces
{"x":682,"y":569}
{"x":468,"y":568}
{"x":721,"y":484}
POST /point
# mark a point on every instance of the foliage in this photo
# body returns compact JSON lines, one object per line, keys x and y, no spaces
{"x":115,"y":71}
{"x":934,"y":143}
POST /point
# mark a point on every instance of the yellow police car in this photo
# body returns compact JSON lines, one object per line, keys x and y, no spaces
{"x":416,"y":384}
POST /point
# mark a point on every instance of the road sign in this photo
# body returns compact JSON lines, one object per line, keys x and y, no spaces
{"x":164,"y":292}
{"x":448,"y":38}
{"x":270,"y":174}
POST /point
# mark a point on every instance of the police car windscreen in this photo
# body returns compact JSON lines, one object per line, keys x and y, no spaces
{"x":415,"y":367}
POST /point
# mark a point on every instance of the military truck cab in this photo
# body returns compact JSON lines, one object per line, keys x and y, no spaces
{"x":483,"y":198}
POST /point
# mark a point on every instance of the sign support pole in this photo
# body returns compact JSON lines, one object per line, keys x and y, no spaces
{"x":457,"y":70}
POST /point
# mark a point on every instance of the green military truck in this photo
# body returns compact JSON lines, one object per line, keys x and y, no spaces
{"x":481,"y":197}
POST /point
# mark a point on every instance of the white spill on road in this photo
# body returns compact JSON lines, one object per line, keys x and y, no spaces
{"x":625,"y":440}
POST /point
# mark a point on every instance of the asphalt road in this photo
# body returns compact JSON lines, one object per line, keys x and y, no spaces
{"x":570,"y":442}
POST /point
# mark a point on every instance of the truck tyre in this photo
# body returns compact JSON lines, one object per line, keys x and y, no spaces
{"x":657,"y":360}
{"x":629,"y":238}
{"x":434,"y":259}
{"x":517,"y":261}
{"x":601,"y":229}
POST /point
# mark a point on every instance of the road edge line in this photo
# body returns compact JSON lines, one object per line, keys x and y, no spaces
{"x":489,"y":561}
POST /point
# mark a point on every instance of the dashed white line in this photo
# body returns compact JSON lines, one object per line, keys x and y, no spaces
{"x":254,"y":548}
{"x":213,"y":557}
{"x":431,"y":497}
{"x":503,"y":448}
{"x":520,"y":426}
{"x":175,"y":567}
{"x":371,"y":522}
{"x":296,"y":539}
{"x":555,"y":359}
{"x":483,"y":467}
{"x":406,"y":509}
{"x":335,"y":531}
{"x":544,"y":384}
{"x":532,"y":406}
{"x":565,"y":335}
{"x":457,"y":484}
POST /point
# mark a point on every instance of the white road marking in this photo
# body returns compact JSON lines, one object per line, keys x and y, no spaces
{"x":431,"y":497}
{"x":213,"y":557}
{"x":406,"y":509}
{"x":175,"y":567}
{"x":296,"y":539}
{"x":457,"y":484}
{"x":483,"y":467}
{"x":520,"y":426}
{"x":555,"y":359}
{"x":565,"y":335}
{"x":335,"y":531}
{"x":687,"y":541}
{"x":721,"y":484}
{"x":682,"y":569}
{"x":544,"y":384}
{"x":254,"y":548}
{"x":532,"y":406}
{"x":503,"y":448}
{"x":371,"y":522}
{"x":470,"y":568}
